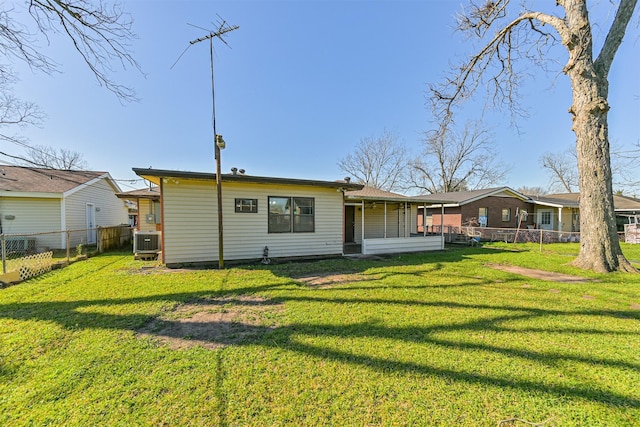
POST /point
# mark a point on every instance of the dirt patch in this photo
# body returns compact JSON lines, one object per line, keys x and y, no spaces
{"x":540,"y":274}
{"x":214,"y":323}
{"x":330,"y":279}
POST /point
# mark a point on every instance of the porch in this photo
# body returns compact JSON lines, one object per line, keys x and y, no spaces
{"x":380,"y":222}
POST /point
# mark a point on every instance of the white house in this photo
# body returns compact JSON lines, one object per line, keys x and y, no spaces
{"x":290,"y":217}
{"x":36,"y":200}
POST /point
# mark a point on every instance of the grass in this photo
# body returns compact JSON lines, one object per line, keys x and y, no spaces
{"x":423,"y":339}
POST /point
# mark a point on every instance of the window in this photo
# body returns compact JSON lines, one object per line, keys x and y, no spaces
{"x":247,"y":205}
{"x":483,"y":216}
{"x":506,"y":214}
{"x":291,"y":214}
{"x":545,"y":218}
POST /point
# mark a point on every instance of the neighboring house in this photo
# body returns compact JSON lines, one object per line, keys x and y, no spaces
{"x":557,"y":212}
{"x":146,"y":213}
{"x":500,"y":207}
{"x":290,"y":217}
{"x":564,"y":210}
{"x":492,"y":207}
{"x":34,"y":200}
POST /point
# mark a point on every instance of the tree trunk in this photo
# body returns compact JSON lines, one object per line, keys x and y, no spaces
{"x":599,"y":245}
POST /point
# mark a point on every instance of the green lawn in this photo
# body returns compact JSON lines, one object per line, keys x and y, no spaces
{"x":425,"y":339}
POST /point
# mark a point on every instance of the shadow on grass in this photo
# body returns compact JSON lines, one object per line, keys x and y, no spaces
{"x":79,"y":315}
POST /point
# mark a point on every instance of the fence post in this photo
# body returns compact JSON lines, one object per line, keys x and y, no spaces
{"x":4,"y":255}
{"x":68,"y":244}
{"x":541,"y":240}
{"x":100,"y":236}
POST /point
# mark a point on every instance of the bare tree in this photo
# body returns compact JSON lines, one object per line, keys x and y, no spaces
{"x":98,"y":32}
{"x":457,"y":161}
{"x":563,"y":168}
{"x":14,"y":112}
{"x":625,"y":164}
{"x":532,"y":191}
{"x":52,"y":158}
{"x":379,"y":162}
{"x":529,"y":35}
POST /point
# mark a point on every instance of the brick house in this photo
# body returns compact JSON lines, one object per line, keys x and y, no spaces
{"x":492,"y":207}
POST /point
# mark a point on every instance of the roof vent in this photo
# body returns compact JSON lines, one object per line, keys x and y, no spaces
{"x":347,"y":179}
{"x":234,"y":171}
{"x":242,"y":171}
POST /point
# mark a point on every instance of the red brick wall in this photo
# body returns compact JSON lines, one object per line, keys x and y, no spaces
{"x":495,"y":206}
{"x":457,"y":216}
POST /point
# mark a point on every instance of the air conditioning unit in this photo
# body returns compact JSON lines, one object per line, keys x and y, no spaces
{"x":147,"y":242}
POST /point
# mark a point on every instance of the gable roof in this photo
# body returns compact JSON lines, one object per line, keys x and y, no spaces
{"x":458,"y":198}
{"x":24,"y":179}
{"x":566,"y":200}
{"x":156,"y":175}
{"x":152,"y":193}
{"x":371,"y":193}
{"x":572,"y":200}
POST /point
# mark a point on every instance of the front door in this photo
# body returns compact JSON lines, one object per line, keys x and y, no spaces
{"x":349,"y":224}
{"x":91,"y":223}
{"x":545,"y":219}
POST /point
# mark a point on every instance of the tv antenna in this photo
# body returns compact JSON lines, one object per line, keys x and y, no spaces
{"x":218,"y":142}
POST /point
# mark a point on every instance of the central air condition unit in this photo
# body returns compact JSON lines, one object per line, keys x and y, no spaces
{"x":146,"y":242}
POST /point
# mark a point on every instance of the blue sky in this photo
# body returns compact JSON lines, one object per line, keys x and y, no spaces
{"x":303,"y":82}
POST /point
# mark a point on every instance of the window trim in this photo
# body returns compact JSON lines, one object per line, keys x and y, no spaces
{"x":292,"y":214}
{"x":506,"y":218}
{"x":486,"y":217}
{"x":253,"y":205}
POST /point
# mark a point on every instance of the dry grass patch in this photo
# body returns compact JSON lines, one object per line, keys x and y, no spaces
{"x":327,"y":280}
{"x":215,"y":322}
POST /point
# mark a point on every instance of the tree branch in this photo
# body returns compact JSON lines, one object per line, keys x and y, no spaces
{"x":615,"y":36}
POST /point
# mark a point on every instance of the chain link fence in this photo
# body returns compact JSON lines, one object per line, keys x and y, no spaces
{"x":29,"y":255}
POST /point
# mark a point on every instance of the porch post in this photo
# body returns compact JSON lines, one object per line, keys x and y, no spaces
{"x":362,"y":225}
{"x":442,"y":224}
{"x":560,"y":219}
{"x":424,"y":220}
{"x":385,"y":219}
{"x":405,"y":220}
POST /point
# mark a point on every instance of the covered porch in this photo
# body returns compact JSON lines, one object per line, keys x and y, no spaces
{"x":381,"y":222}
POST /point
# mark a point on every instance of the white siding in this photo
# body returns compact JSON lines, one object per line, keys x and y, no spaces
{"x":374,"y":219}
{"x":33,"y":216}
{"x":109,"y":210}
{"x":402,"y":244}
{"x":374,"y":222}
{"x":190,"y":226}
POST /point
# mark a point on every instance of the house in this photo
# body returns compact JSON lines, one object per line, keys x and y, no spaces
{"x":557,"y":212}
{"x":36,"y":200}
{"x":145,"y":214}
{"x":274,"y":217}
{"x":499,"y":207}
{"x":566,"y":216}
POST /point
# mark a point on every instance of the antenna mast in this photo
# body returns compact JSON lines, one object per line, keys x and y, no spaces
{"x":218,"y":142}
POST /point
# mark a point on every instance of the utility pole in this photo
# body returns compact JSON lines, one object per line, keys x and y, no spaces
{"x":218,"y":142}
